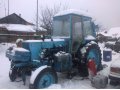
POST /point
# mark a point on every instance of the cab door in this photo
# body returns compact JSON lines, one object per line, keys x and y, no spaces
{"x":77,"y":36}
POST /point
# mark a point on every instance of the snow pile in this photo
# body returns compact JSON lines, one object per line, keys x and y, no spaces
{"x":18,"y":27}
{"x":72,"y":11}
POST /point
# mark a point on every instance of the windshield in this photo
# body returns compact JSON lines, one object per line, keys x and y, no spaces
{"x":61,"y":27}
{"x":88,"y":30}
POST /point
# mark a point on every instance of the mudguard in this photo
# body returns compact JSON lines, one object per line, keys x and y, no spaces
{"x":35,"y":74}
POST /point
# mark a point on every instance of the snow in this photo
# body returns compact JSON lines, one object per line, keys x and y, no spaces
{"x":116,"y":63}
{"x":89,"y":37}
{"x":61,"y":53}
{"x":20,"y":49}
{"x":63,"y":82}
{"x":103,"y":33}
{"x":72,"y":11}
{"x":46,"y":40}
{"x":115,"y":75}
{"x":42,"y":29}
{"x":55,"y":86}
{"x":83,"y":50}
{"x":35,"y":73}
{"x":18,"y":27}
{"x":111,"y":42}
{"x":107,"y":49}
{"x":19,"y":40}
{"x":5,"y":82}
{"x":113,"y":32}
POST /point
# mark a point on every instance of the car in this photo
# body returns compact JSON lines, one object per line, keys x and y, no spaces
{"x":114,"y":74}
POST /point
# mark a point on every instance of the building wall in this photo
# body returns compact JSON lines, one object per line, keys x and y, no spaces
{"x":3,"y":35}
{"x":12,"y":36}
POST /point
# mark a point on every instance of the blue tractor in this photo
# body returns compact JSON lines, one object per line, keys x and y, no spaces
{"x":72,"y":44}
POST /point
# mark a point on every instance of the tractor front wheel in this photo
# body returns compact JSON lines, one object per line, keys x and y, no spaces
{"x":45,"y":78}
{"x":12,"y":74}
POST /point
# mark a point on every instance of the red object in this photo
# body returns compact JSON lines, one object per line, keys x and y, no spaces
{"x":92,"y":67}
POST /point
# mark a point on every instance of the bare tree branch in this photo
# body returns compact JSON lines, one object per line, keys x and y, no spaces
{"x":47,"y":14}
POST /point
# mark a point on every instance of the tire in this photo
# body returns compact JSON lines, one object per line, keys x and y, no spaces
{"x":93,"y":52}
{"x":45,"y":78}
{"x":12,"y":75}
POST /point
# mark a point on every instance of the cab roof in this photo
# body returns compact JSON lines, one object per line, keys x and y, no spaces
{"x":72,"y":11}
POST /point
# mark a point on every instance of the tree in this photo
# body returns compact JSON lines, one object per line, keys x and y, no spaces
{"x":46,"y":16}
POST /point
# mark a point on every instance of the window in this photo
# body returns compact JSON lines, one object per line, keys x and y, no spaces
{"x":61,"y":27}
{"x":87,"y":28}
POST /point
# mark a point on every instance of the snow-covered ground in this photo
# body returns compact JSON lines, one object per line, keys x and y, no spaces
{"x":63,"y":83}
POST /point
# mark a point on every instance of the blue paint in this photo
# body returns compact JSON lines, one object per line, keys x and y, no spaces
{"x":36,"y":47}
{"x":18,"y":56}
{"x":94,"y":54}
{"x":46,"y":80}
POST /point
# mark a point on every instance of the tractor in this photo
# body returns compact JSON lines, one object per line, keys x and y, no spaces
{"x":68,"y":50}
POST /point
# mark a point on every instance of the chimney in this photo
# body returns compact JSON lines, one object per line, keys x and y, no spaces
{"x":19,"y":15}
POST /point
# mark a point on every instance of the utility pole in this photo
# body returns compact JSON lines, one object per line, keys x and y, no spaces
{"x":5,"y":9}
{"x":37,"y":18}
{"x":8,"y":7}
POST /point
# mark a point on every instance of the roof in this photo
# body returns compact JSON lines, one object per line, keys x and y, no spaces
{"x":18,"y":27}
{"x":115,"y":32}
{"x":14,"y":19}
{"x":21,"y":27}
{"x":72,"y":11}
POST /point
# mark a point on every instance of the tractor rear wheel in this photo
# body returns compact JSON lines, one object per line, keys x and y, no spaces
{"x":12,"y":74}
{"x":93,"y":52}
{"x":45,"y":78}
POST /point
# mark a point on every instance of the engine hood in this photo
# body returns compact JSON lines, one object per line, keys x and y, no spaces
{"x":47,"y":43}
{"x":36,"y":46}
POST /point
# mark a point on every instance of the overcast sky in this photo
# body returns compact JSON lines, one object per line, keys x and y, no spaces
{"x":107,"y":12}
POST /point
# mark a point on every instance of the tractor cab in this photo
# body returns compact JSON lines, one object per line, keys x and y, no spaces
{"x":76,"y":26}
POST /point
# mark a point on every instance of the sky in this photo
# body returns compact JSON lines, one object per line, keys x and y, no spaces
{"x":106,"y":12}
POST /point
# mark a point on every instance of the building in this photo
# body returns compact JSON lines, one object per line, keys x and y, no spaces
{"x":14,"y":19}
{"x":13,"y":27}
